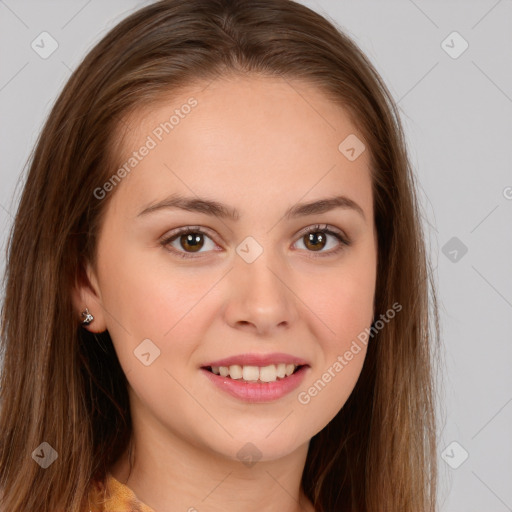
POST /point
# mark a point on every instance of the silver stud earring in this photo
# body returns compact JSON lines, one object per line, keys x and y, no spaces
{"x":87,"y":317}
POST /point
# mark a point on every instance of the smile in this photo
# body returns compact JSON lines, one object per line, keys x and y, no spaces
{"x":249,"y":373}
{"x":256,"y":384}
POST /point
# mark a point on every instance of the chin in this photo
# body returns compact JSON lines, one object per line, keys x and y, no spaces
{"x":258,"y":445}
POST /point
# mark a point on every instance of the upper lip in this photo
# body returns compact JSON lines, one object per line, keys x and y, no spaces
{"x":258,"y":360}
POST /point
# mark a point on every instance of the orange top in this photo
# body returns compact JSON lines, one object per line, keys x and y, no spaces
{"x":113,"y":496}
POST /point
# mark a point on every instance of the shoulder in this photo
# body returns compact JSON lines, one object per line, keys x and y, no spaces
{"x":111,"y":495}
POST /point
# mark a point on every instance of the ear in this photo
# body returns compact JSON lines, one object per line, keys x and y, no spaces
{"x":86,"y":294}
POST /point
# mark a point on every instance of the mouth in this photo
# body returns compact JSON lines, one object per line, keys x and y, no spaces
{"x":257,"y":384}
{"x":256,"y":374}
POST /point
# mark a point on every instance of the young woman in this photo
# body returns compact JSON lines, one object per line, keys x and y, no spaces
{"x":217,"y":289}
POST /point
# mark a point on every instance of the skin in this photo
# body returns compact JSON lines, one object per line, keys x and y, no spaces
{"x":260,"y":145}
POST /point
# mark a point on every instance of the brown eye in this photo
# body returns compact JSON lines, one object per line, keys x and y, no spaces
{"x":192,"y":242}
{"x":187,"y":241}
{"x":316,"y":238}
{"x":315,"y":241}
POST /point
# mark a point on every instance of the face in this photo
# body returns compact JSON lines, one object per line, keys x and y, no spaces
{"x":261,"y":281}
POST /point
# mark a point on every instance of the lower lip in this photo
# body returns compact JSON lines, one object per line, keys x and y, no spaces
{"x":257,"y":391}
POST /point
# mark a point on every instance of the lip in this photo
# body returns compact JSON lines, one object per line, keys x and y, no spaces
{"x":258,"y":360}
{"x":257,"y":392}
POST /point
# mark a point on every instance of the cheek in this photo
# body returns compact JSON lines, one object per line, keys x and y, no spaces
{"x":165,"y":309}
{"x":145,"y":301}
{"x":146,"y":298}
{"x":343,"y":300}
{"x":322,"y":396}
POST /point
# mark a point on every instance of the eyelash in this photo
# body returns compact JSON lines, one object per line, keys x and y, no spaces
{"x":344,"y":242}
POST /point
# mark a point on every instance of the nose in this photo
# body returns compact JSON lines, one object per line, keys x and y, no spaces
{"x":263,"y":300}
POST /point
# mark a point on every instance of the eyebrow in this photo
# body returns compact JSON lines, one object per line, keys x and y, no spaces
{"x":217,"y":209}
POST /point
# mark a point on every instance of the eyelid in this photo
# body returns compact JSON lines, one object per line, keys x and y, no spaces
{"x":169,"y":237}
{"x":323,"y":227}
{"x":343,"y":239}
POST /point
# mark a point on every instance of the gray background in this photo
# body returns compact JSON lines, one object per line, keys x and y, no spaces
{"x":457,"y":117}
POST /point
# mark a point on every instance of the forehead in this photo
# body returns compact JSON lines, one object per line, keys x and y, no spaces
{"x":268,"y":138}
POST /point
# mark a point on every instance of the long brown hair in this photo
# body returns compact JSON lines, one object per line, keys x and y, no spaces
{"x":63,"y":385}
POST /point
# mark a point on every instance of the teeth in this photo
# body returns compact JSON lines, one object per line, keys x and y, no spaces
{"x":235,"y":371}
{"x":268,"y":373}
{"x":290,"y":368}
{"x":248,"y":373}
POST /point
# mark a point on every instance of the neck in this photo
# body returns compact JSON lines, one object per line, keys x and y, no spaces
{"x":170,"y":474}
